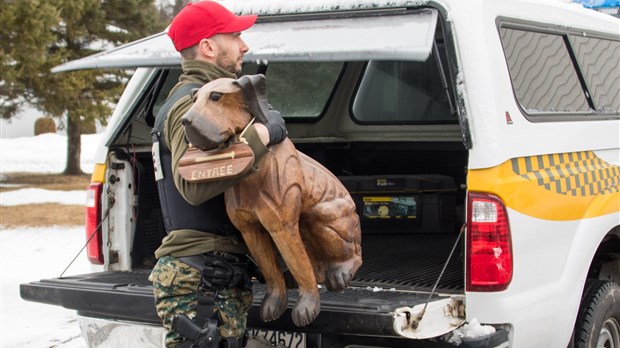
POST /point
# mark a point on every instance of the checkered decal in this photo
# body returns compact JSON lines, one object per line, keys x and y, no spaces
{"x":574,"y":174}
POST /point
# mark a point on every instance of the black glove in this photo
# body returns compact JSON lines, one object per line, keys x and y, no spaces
{"x":218,"y":274}
{"x":276,"y":126}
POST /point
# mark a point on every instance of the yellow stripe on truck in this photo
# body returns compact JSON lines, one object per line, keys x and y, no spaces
{"x":568,"y":186}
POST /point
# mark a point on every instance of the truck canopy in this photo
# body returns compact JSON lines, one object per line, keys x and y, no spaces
{"x":406,"y":36}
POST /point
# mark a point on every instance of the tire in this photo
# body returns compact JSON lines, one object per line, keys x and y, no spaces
{"x":598,"y":320}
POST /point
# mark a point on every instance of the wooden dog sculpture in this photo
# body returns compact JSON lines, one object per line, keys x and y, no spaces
{"x":292,"y":205}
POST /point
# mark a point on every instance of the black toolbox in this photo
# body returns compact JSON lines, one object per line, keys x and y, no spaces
{"x":404,"y":203}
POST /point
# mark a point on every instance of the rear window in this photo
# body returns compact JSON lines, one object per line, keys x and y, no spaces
{"x":295,"y":89}
{"x":298,"y":90}
{"x":302,"y":89}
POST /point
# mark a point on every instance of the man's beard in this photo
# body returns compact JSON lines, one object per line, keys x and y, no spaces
{"x":225,"y":62}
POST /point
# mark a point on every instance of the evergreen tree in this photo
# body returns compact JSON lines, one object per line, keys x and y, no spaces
{"x":24,"y":31}
{"x":168,"y":9}
{"x":37,"y":35}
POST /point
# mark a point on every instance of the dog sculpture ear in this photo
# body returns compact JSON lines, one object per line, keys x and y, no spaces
{"x":255,"y":95}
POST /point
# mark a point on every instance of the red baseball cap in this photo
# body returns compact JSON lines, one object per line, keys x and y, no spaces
{"x":201,"y":20}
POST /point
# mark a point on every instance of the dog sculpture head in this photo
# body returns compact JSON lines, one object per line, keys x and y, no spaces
{"x":223,"y":108}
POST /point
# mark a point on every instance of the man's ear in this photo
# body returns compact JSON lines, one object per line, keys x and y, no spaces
{"x":206,"y":48}
{"x":254,"y":91}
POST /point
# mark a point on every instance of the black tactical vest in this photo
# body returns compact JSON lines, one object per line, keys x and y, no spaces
{"x":209,"y":216}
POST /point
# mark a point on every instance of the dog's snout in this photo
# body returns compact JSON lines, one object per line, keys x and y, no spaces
{"x":199,"y":132}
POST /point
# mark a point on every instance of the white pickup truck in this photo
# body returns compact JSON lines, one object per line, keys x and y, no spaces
{"x":479,"y":140}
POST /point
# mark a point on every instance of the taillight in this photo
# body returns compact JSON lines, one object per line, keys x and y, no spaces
{"x":94,"y":251}
{"x":489,"y":245}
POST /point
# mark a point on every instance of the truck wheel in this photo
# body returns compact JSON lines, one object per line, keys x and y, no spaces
{"x":598,"y":320}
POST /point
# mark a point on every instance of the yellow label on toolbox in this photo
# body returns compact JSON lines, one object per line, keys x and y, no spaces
{"x":378,"y":199}
{"x":381,"y":207}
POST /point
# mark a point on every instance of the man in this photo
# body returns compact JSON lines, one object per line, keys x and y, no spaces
{"x":208,"y":37}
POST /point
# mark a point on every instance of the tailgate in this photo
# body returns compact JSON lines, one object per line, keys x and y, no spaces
{"x":115,"y":294}
{"x":358,"y":310}
{"x":397,"y":275}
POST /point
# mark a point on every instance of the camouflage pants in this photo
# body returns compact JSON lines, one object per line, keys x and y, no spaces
{"x":175,"y":285}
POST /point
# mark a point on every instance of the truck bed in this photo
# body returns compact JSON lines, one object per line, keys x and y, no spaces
{"x":398,"y":270}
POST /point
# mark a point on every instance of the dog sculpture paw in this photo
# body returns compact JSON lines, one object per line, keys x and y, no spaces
{"x":306,"y":309}
{"x":273,"y":305}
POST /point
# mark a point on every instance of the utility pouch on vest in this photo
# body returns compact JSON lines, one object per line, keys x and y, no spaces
{"x":204,"y":166}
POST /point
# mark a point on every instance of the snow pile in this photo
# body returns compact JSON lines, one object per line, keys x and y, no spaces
{"x":473,"y":329}
{"x":378,"y":289}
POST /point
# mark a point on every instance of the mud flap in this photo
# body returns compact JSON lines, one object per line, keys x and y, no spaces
{"x":439,"y":318}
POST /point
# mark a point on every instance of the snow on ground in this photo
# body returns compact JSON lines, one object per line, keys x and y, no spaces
{"x":32,"y":254}
{"x":29,"y":254}
{"x":45,"y":153}
{"x":35,"y":196}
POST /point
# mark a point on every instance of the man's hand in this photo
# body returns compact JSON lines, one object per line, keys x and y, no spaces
{"x":275,"y":128}
{"x":219,"y":273}
{"x":216,"y":274}
{"x":263,"y":133}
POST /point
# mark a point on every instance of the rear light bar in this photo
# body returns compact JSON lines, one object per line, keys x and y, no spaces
{"x":489,"y":244}
{"x":94,"y":250}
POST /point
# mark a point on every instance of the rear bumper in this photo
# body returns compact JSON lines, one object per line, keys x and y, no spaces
{"x":122,"y":334}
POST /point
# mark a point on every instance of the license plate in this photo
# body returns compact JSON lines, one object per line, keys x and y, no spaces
{"x":279,"y":339}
